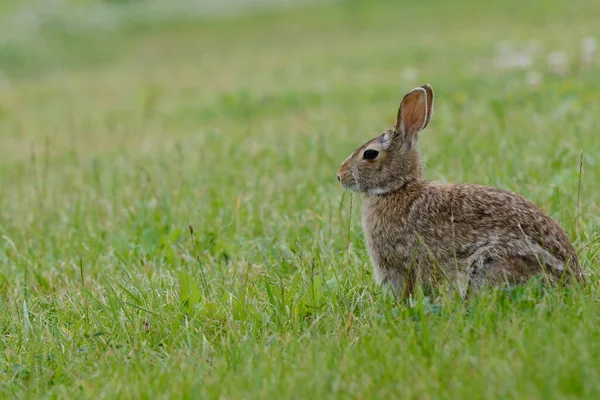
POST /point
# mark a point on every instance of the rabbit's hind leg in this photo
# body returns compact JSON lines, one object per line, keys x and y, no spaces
{"x":492,"y":269}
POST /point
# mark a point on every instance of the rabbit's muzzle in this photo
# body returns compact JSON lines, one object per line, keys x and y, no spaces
{"x":345,"y":177}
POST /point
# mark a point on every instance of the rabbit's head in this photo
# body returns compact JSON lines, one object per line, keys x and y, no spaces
{"x":391,"y":160}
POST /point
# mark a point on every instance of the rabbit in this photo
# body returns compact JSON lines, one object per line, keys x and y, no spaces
{"x":421,"y":234}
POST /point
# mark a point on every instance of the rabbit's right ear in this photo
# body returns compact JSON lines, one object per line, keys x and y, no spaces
{"x":429,"y":91}
{"x":413,"y":113}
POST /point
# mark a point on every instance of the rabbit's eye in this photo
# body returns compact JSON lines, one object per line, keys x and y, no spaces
{"x":370,"y":154}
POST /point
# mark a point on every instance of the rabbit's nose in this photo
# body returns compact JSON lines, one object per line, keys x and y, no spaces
{"x":339,"y":178}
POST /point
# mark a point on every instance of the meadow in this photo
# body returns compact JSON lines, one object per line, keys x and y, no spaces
{"x":171,"y":225}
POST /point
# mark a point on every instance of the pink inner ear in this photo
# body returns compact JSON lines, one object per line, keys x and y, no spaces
{"x":412,"y":114}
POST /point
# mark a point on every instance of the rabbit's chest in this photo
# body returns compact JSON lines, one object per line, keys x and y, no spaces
{"x":390,"y":240}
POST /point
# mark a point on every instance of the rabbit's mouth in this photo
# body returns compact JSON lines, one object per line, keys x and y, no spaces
{"x":351,"y":186}
{"x":354,"y":188}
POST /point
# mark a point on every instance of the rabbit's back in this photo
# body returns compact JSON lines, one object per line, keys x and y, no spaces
{"x":431,"y":231}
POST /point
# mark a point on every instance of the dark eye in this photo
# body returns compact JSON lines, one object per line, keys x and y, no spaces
{"x":370,"y":154}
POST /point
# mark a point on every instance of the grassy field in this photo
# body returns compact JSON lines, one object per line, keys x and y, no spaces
{"x":114,"y":142}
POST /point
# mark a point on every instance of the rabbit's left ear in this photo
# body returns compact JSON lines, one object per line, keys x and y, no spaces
{"x":413,"y":114}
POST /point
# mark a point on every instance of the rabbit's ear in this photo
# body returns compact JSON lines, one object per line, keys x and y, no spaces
{"x":429,"y":91}
{"x":412,"y":114}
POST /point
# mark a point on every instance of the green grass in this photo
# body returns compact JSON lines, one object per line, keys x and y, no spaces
{"x":112,"y":143}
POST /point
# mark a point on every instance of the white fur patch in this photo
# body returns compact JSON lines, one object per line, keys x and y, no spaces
{"x":386,"y":140}
{"x":376,"y":191}
{"x":378,"y":275}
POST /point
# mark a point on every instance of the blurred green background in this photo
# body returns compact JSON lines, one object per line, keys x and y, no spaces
{"x":123,"y":122}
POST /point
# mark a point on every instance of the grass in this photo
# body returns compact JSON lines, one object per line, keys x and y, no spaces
{"x":113,"y":144}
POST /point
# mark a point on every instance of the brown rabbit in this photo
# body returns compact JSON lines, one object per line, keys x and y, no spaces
{"x":426,"y":233}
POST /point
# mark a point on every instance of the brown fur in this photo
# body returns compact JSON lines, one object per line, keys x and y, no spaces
{"x":426,"y":233}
